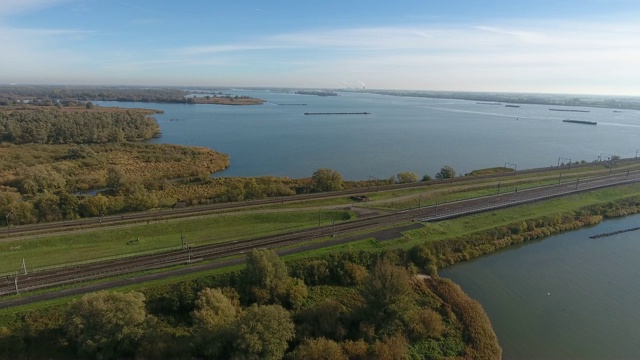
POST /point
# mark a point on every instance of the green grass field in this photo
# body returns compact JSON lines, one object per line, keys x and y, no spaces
{"x":449,"y":229}
{"x":401,"y":199}
{"x":47,"y":251}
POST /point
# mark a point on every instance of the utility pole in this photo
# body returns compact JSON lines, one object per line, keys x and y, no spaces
{"x":562,"y":159}
{"x":560,"y":179}
{"x":498,"y":188}
{"x":8,"y":225}
{"x":374,"y":178}
{"x":24,"y":267}
{"x":578,"y":179}
{"x":15,"y":280}
{"x":515,"y":167}
{"x":333,"y":224}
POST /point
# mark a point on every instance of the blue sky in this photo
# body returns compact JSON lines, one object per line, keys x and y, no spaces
{"x":581,"y":47}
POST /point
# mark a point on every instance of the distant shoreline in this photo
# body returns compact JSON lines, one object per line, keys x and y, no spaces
{"x":607,"y":102}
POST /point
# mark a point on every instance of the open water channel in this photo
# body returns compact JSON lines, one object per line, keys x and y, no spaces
{"x":564,"y":297}
{"x":567,"y":296}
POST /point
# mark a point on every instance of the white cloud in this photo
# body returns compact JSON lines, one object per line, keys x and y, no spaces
{"x":223,"y":48}
{"x":533,"y":56}
{"x":10,"y":7}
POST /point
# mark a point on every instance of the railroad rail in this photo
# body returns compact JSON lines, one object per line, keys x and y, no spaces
{"x":21,"y":283}
{"x":212,"y":208}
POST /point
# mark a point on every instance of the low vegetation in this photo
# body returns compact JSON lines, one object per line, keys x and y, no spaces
{"x":224,"y":100}
{"x":373,"y":308}
{"x":81,"y":95}
{"x":38,"y":182}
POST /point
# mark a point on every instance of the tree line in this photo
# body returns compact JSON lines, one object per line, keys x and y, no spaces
{"x":325,"y":179}
{"x":48,"y":95}
{"x":51,"y":126}
{"x":378,"y":310}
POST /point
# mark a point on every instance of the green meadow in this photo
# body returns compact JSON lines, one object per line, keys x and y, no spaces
{"x":92,"y":244}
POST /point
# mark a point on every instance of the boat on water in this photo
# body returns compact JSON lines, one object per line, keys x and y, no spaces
{"x":571,"y":110}
{"x":513,"y":106}
{"x":584,"y":122}
{"x":337,"y":113}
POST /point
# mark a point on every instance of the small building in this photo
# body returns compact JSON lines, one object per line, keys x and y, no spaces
{"x":179,"y":205}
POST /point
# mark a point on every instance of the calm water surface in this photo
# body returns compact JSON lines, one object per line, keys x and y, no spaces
{"x":565,"y":297}
{"x":401,"y":134}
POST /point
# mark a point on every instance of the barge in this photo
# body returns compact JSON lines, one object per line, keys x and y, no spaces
{"x":584,"y":122}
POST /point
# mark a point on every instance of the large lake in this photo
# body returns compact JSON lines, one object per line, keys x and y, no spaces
{"x":401,"y":134}
{"x":564,"y":297}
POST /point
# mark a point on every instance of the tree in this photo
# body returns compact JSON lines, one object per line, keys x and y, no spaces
{"x":213,"y":318}
{"x":106,"y":325}
{"x":116,"y":178}
{"x":390,"y":348}
{"x":321,"y":319}
{"x":68,"y":205}
{"x":46,"y":206}
{"x":296,"y":293}
{"x":318,"y":349}
{"x":266,"y":276}
{"x":326,"y":180}
{"x":7,"y":199}
{"x":426,"y":178}
{"x":81,"y":152}
{"x":406,"y":177}
{"x":42,"y":178}
{"x":356,"y":350}
{"x":138,"y":198}
{"x":263,"y":332}
{"x":354,"y":274}
{"x":164,"y":341}
{"x":253,"y":190}
{"x":446,"y":172}
{"x":423,"y":323}
{"x":23,"y":213}
{"x":234,"y":192}
{"x":267,"y":280}
{"x":93,"y":205}
{"x":388,"y":297}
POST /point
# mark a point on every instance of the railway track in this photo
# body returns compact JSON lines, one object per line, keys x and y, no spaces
{"x":205,"y":209}
{"x":21,"y":283}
